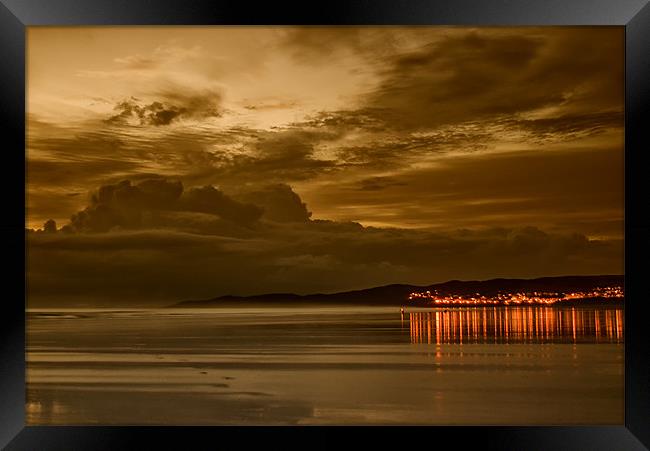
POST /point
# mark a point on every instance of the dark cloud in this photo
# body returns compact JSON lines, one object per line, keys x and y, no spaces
{"x":569,"y":126}
{"x":343,"y":121}
{"x":176,"y":105}
{"x":128,"y":206}
{"x":165,"y":243}
{"x":162,"y":203}
{"x":50,"y":226}
{"x":53,"y":183}
{"x":85,"y":145}
{"x":403,"y":150}
{"x":280,"y":203}
{"x":378,"y":183}
{"x":210,"y":200}
{"x":154,"y":113}
{"x":283,"y":155}
{"x":154,"y":267}
{"x":576,"y":190}
{"x":64,"y":160}
{"x":271,"y":105}
{"x":481,"y":75}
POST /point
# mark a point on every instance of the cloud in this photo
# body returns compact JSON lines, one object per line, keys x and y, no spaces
{"x":127,"y":206}
{"x":319,"y":45}
{"x":577,"y":190}
{"x":167,"y":55}
{"x":162,"y":266}
{"x":163,"y":54}
{"x":568,"y":126}
{"x":462,"y":91}
{"x":283,"y":156}
{"x":137,"y":62}
{"x":154,"y":113}
{"x":270,"y":104}
{"x":315,"y":45}
{"x":437,"y":92}
{"x":174,"y":105}
{"x":165,"y":204}
{"x":490,"y":74}
{"x":63,"y":160}
{"x":210,"y":200}
{"x":159,"y":242}
{"x":280,"y":203}
{"x":378,"y":183}
{"x":403,"y":150}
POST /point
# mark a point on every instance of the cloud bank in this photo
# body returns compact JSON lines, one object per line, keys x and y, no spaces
{"x":152,"y":242}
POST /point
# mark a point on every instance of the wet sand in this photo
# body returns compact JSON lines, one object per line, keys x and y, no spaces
{"x":325,"y":365}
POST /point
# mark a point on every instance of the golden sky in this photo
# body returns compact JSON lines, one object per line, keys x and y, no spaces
{"x":320,"y":159}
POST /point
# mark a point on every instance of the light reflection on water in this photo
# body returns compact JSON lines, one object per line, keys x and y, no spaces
{"x":516,"y":324}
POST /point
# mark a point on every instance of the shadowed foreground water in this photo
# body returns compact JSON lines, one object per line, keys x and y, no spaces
{"x":326,"y":365}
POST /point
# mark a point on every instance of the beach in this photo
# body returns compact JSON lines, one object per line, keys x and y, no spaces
{"x":351,"y":365}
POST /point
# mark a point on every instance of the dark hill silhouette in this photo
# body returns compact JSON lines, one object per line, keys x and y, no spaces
{"x":397,"y":294}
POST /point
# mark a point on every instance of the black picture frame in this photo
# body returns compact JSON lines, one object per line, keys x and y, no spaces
{"x":16,"y":15}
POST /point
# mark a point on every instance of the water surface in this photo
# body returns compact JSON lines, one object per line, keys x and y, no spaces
{"x":326,"y":365}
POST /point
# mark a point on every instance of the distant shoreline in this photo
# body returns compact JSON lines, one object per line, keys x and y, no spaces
{"x":398,"y":295}
{"x":618,"y":304}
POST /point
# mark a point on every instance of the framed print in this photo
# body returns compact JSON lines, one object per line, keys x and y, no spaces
{"x":423,"y":215}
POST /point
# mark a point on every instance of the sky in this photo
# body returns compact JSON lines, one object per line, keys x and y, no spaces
{"x":191,"y":162}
